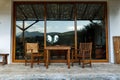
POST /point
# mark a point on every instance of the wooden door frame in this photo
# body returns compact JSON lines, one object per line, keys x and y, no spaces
{"x":75,"y":25}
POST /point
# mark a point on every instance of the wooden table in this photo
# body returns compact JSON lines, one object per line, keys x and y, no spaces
{"x":67,"y":48}
{"x":4,"y":60}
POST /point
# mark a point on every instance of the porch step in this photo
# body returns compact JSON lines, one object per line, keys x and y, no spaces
{"x":61,"y":77}
{"x":59,"y":71}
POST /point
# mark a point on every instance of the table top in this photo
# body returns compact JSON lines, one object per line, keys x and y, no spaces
{"x":58,"y":47}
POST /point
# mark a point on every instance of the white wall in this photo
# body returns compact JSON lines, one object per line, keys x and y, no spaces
{"x":5,"y":25}
{"x":114,"y":24}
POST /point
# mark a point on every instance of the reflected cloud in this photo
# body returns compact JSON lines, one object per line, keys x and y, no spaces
{"x":52,"y":39}
{"x":80,"y":27}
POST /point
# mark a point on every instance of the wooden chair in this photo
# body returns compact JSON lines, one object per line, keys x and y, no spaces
{"x":83,"y":54}
{"x":32,"y":53}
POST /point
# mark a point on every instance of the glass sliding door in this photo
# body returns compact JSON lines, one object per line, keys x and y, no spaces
{"x":60,"y":23}
{"x":60,"y":33}
{"x":29,"y":26}
{"x":92,"y":28}
{"x":28,"y":33}
{"x":60,"y":27}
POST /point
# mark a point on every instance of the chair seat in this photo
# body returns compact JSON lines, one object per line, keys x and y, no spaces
{"x":37,"y":54}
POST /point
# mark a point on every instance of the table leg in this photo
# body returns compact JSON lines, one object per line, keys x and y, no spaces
{"x":32,"y":61}
{"x":68,"y":58}
{"x":6,"y":61}
{"x":3,"y":62}
{"x":47,"y":58}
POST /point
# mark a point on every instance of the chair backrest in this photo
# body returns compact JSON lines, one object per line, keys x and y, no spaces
{"x":31,"y":47}
{"x":86,"y":49}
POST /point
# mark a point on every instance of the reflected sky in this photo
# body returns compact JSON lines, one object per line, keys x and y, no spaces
{"x":53,"y":26}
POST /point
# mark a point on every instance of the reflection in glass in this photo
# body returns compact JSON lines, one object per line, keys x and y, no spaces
{"x":60,"y":25}
{"x":60,"y":33}
{"x":34,"y":33}
{"x":53,"y":39}
{"x":93,"y":32}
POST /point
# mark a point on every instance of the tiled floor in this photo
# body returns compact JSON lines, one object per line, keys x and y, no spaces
{"x":59,"y":71}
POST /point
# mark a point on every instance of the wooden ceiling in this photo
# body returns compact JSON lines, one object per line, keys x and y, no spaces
{"x":59,"y":11}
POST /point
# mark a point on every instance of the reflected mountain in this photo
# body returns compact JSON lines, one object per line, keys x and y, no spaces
{"x":37,"y":33}
{"x":31,"y":34}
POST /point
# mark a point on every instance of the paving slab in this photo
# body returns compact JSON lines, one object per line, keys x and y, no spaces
{"x":60,"y":71}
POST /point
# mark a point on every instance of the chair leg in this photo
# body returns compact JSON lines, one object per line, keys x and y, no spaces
{"x":49,"y":59}
{"x":90,"y":64}
{"x":38,"y":61}
{"x":31,"y":62}
{"x":72,"y":62}
{"x":72,"y":57}
{"x":79,"y":61}
{"x":83,"y":65}
{"x":44,"y":58}
{"x":25,"y":62}
{"x":44,"y":62}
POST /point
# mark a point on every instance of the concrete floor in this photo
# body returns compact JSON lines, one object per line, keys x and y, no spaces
{"x":59,"y":71}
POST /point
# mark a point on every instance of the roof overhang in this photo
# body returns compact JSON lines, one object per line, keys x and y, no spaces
{"x":34,"y":11}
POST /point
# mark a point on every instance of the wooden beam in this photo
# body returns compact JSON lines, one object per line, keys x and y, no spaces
{"x":19,"y":27}
{"x":75,"y":26}
{"x":45,"y":24}
{"x":31,"y":25}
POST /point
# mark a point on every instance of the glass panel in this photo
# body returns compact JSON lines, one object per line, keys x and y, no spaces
{"x":60,"y":33}
{"x":33,"y":33}
{"x":60,"y":25}
{"x":91,"y":28}
{"x":29,"y":26}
